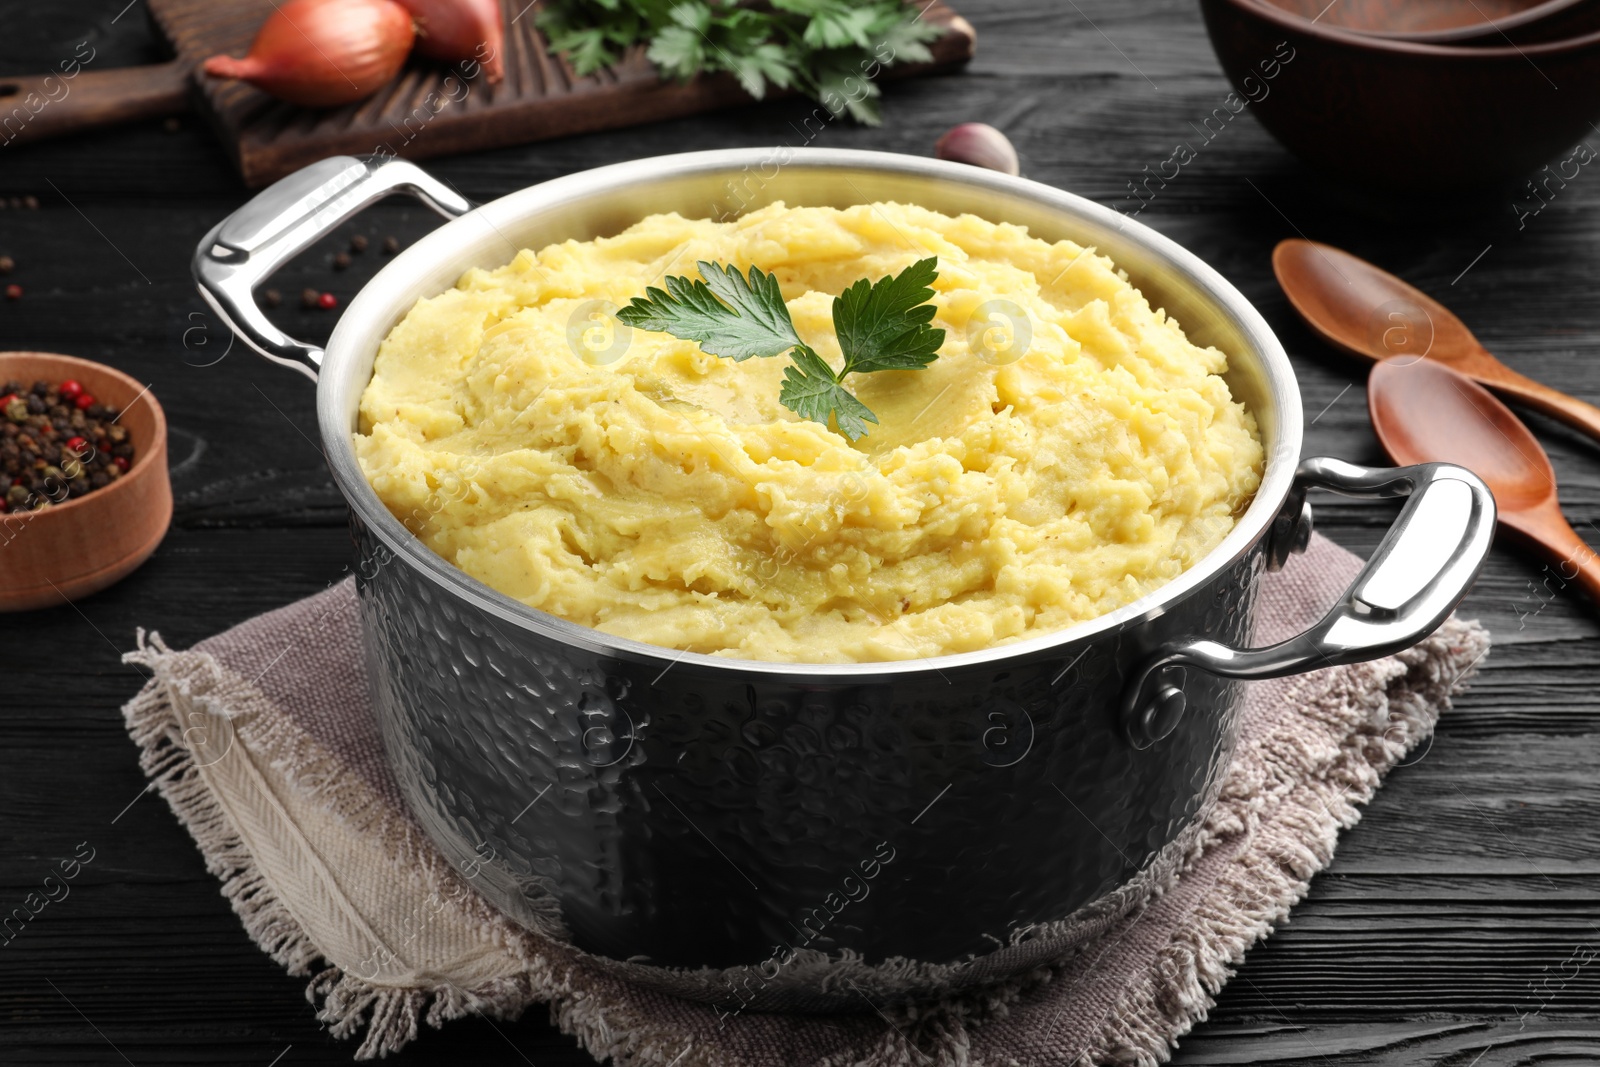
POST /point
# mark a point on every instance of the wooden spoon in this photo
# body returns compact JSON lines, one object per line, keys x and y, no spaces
{"x":1426,"y":413}
{"x":1369,"y":312}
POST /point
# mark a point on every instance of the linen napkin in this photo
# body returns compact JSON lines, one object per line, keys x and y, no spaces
{"x":263,"y":741}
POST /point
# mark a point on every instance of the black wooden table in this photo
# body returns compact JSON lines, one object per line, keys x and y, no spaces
{"x":1458,"y":925}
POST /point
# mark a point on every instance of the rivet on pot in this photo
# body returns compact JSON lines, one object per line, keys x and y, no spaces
{"x":1291,"y":531}
{"x":1159,"y":717}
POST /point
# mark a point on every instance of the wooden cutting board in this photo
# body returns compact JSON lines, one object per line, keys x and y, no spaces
{"x":416,"y":116}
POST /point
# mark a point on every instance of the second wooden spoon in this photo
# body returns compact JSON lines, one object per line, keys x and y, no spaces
{"x":1369,"y":312}
{"x":1426,"y":413}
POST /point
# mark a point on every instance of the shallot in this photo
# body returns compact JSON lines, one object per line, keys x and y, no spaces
{"x":322,"y":53}
{"x":454,"y":31}
{"x":979,"y":144}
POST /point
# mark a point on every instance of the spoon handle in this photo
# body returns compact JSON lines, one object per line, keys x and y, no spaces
{"x":1573,"y":561}
{"x":1540,"y":397}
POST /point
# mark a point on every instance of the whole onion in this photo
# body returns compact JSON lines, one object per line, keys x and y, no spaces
{"x":322,"y":53}
{"x":453,"y":31}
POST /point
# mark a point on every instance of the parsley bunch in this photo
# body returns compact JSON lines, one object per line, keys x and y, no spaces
{"x":828,"y":49}
{"x":881,"y":325}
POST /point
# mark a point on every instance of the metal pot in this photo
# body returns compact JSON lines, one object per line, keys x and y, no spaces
{"x":973,"y":813}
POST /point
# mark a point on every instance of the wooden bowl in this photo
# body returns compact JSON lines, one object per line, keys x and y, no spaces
{"x":1407,"y":116}
{"x":67,"y":551}
{"x":1490,"y":22}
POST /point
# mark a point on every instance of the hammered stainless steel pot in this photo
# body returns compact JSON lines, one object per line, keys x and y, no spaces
{"x":678,"y":810}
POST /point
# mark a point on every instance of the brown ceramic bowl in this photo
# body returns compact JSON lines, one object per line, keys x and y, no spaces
{"x":1407,"y":116}
{"x":69,"y":550}
{"x":1490,"y":22}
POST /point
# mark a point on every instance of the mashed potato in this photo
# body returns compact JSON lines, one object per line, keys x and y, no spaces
{"x":1069,"y":451}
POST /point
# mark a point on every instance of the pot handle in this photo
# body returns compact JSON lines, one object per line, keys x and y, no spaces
{"x":245,"y":248}
{"x":1419,"y":573}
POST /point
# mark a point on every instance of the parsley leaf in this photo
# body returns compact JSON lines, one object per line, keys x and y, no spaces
{"x":833,"y":23}
{"x":750,"y":319}
{"x":678,"y":51}
{"x":765,"y":63}
{"x":906,"y":41}
{"x":811,"y":391}
{"x":843,"y":91}
{"x":586,"y":48}
{"x":829,"y":49}
{"x":882,"y":325}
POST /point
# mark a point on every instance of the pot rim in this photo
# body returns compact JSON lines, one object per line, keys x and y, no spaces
{"x":386,"y":298}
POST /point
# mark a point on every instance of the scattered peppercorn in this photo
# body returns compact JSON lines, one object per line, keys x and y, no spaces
{"x":272,"y":298}
{"x":327,"y":301}
{"x":7,"y":264}
{"x":358,"y":244}
{"x":341,"y":260}
{"x":309,"y":298}
{"x":13,"y":291}
{"x":172,"y":125}
{"x":391,"y":245}
{"x":37,"y":467}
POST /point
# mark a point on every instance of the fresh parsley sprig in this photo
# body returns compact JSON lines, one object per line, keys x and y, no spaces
{"x":828,"y":49}
{"x":882,"y":325}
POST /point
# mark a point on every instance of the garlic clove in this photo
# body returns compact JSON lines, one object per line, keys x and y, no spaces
{"x":979,"y":144}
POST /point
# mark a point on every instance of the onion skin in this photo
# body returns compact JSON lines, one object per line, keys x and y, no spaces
{"x":454,"y":31}
{"x":323,"y":53}
{"x":981,"y":145}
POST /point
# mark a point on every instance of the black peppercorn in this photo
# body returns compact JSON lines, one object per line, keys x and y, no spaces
{"x":50,"y":452}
